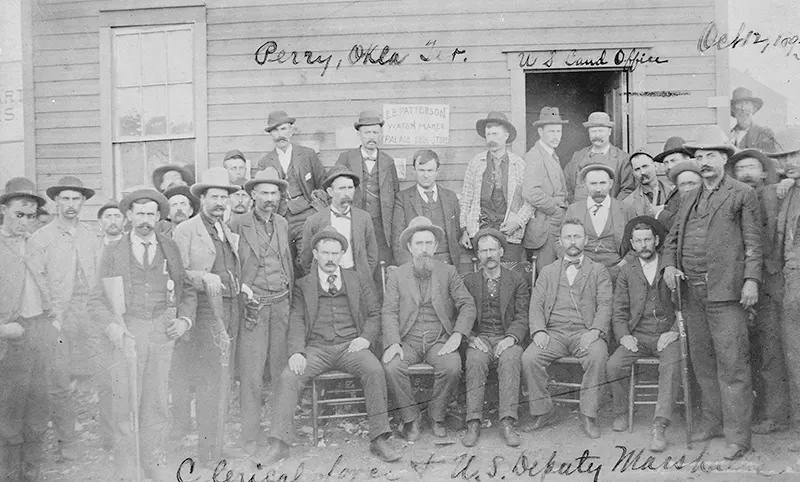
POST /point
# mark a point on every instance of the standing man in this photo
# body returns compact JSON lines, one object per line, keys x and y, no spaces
{"x":143,"y":274}
{"x":209,"y":252}
{"x":429,"y":199}
{"x":501,"y":301}
{"x":746,"y":134}
{"x":570,"y":315}
{"x":644,"y":325}
{"x":545,"y":188}
{"x":672,"y":155}
{"x":24,"y":330}
{"x":715,"y":245}
{"x":267,"y":278}
{"x":427,"y":312}
{"x":492,"y":192}
{"x":111,"y":222}
{"x":182,"y":206}
{"x":650,"y":195}
{"x":170,"y":175}
{"x":379,"y":184}
{"x":334,"y":322}
{"x":240,"y":201}
{"x":600,"y":151}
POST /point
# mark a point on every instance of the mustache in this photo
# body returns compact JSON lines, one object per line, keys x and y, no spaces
{"x":330,"y":263}
{"x":346,"y":199}
{"x":281,"y":138}
{"x":493,"y":144}
{"x":597,"y":139}
{"x":145,"y":225}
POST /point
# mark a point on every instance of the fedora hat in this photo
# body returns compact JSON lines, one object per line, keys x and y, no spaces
{"x":21,"y":187}
{"x":269,"y":176}
{"x":549,"y":115}
{"x":595,"y":167}
{"x":743,"y":93}
{"x":767,"y":164}
{"x":146,"y":193}
{"x":110,"y":204}
{"x":689,"y":165}
{"x":420,"y":223}
{"x":368,"y":118}
{"x":187,"y":174}
{"x":598,"y":119}
{"x":339,"y":171}
{"x":499,"y":118}
{"x":673,"y":145}
{"x":710,"y":138}
{"x":277,"y":118}
{"x":495,"y":233}
{"x":787,"y":141}
{"x":69,"y":183}
{"x":658,"y":228}
{"x":216,"y":177}
{"x":184,"y":191}
{"x":329,"y":232}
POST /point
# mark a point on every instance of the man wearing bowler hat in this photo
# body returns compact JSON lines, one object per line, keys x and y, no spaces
{"x":112,"y":223}
{"x":169,"y":175}
{"x":182,"y":206}
{"x":600,"y":151}
{"x":746,"y":134}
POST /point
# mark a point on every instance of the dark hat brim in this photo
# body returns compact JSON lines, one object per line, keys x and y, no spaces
{"x":480,"y":126}
{"x":329,"y":233}
{"x":359,"y":125}
{"x":540,"y":122}
{"x":163,"y":204}
{"x":663,"y":155}
{"x":54,"y":191}
{"x":405,"y":236}
{"x":158,"y":174}
{"x":499,"y":236}
{"x":184,"y":191}
{"x":326,"y":183}
{"x":658,"y":228}
{"x":279,"y":122}
{"x":6,"y":197}
{"x":767,"y":164}
{"x":596,"y":167}
{"x":589,"y":125}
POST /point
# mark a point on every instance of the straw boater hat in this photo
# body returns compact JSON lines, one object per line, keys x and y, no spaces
{"x":368,"y":118}
{"x":500,"y":118}
{"x":187,"y":174}
{"x":710,"y":138}
{"x":496,"y":234}
{"x":598,"y":119}
{"x":110,"y":204}
{"x":339,"y":171}
{"x":216,"y":177}
{"x":787,"y":142}
{"x":21,"y":187}
{"x":595,"y":167}
{"x":184,"y":191}
{"x":743,"y":93}
{"x":420,"y":223}
{"x":657,"y":226}
{"x":682,"y":167}
{"x":69,"y":183}
{"x":278,"y":118}
{"x":329,"y":232}
{"x":269,"y":176}
{"x":672,"y":146}
{"x":549,"y":115}
{"x":146,"y":193}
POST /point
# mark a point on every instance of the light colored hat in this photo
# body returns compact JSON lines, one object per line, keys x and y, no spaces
{"x":743,"y":93}
{"x":420,"y":223}
{"x":216,"y":177}
{"x":268,"y":176}
{"x":21,"y":187}
{"x":549,"y":115}
{"x":598,"y":119}
{"x":69,"y":183}
{"x":682,"y":167}
{"x":787,"y":142}
{"x":368,"y":118}
{"x":710,"y":138}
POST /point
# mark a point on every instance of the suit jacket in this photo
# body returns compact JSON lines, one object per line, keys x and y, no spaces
{"x":408,"y":205}
{"x":11,"y":279}
{"x":544,"y":188}
{"x":198,"y":251}
{"x":387,"y":179}
{"x":617,"y":160}
{"x":308,"y":168}
{"x":452,"y":302}
{"x":639,"y":202}
{"x":733,"y":239}
{"x":245,"y":226}
{"x":629,"y":298}
{"x":671,"y":207}
{"x":514,"y":300}
{"x":592,"y":286}
{"x":771,"y":244}
{"x":362,"y":240}
{"x":619,"y":213}
{"x":757,"y":137}
{"x":305,"y":309}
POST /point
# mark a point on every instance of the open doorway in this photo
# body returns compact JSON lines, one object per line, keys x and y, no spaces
{"x":577,"y":94}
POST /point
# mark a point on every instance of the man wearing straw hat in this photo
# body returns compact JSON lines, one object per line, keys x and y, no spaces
{"x":746,"y":134}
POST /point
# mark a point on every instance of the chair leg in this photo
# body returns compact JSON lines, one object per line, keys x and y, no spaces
{"x":631,"y":397}
{"x":314,"y":413}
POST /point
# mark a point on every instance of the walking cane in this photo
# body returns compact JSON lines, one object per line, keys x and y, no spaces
{"x":687,"y":397}
{"x":133,"y":397}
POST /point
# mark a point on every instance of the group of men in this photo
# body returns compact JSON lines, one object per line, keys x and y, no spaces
{"x":281,"y":269}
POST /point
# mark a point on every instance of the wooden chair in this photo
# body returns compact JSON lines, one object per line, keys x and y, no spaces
{"x":648,"y":389}
{"x":567,"y":392}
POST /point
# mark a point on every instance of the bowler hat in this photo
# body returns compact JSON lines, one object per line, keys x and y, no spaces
{"x":595,"y":167}
{"x":278,"y":118}
{"x":549,"y":115}
{"x":743,"y":93}
{"x":187,"y":193}
{"x":146,"y":193}
{"x":233,"y":154}
{"x":339,"y":171}
{"x":269,"y":176}
{"x":329,"y":232}
{"x":420,"y":223}
{"x":673,"y":145}
{"x":658,"y":229}
{"x":21,"y":187}
{"x":495,"y":233}
{"x":598,"y":119}
{"x":710,"y":138}
{"x":368,"y":118}
{"x":187,"y":174}
{"x":69,"y":183}
{"x":689,"y":165}
{"x":216,"y":177}
{"x":110,"y":204}
{"x":787,"y":142}
{"x":499,"y":118}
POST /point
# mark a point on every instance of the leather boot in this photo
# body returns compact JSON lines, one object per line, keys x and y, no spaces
{"x":381,"y":448}
{"x":508,"y":433}
{"x":473,"y":433}
{"x":658,"y":440}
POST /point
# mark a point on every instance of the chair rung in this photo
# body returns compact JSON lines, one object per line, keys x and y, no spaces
{"x":341,"y":415}
{"x":340,"y":401}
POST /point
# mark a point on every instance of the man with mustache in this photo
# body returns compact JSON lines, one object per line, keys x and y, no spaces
{"x":379,"y":184}
{"x":112,"y":222}
{"x":240,"y":201}
{"x":267,"y":277}
{"x":746,"y":134}
{"x":644,"y":325}
{"x":600,"y":151}
{"x":427,"y":312}
{"x":209,"y":250}
{"x":569,"y":315}
{"x":491,"y":195}
{"x":501,"y":300}
{"x":671,"y":156}
{"x":715,"y":246}
{"x":182,"y":206}
{"x":64,"y":254}
{"x":140,"y":278}
{"x":650,"y":195}
{"x":351,"y":222}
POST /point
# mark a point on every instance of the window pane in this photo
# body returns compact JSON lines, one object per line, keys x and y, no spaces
{"x":181,"y":109}
{"x":157,"y":154}
{"x":182,"y":151}
{"x":127,"y":60}
{"x":154,"y":58}
{"x":179,"y":55}
{"x":154,"y":101}
{"x":130,"y":164}
{"x":127,"y":109}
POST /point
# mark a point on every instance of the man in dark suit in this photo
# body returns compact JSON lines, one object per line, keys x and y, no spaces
{"x":429,"y":199}
{"x":379,"y":183}
{"x":501,"y":301}
{"x":644,"y":325}
{"x":333,"y":323}
{"x":182,"y":206}
{"x":715,"y":245}
{"x":746,"y":134}
{"x":267,"y":279}
{"x":427,"y":312}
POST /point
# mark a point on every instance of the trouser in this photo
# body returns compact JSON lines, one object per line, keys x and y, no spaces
{"x":322,"y":358}
{"x":182,"y":381}
{"x":717,"y":332}
{"x":791,"y":339}
{"x":265,"y":341}
{"x":508,"y":377}
{"x":535,"y":361}
{"x":24,"y":400}
{"x":618,"y":372}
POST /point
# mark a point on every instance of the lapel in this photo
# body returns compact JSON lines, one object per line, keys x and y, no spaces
{"x":248,"y":224}
{"x":202,"y":233}
{"x":383,"y":165}
{"x":506,"y":292}
{"x":416,"y":201}
{"x":353,"y":289}
{"x":413,"y":286}
{"x":122,"y":264}
{"x":479,"y":296}
{"x":551,"y":167}
{"x":583,"y":274}
{"x":721,"y":197}
{"x":311,"y":296}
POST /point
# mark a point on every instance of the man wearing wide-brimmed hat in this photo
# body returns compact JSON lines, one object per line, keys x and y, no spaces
{"x":169,"y":175}
{"x":491,"y":195}
{"x":25,"y":354}
{"x":379,"y":185}
{"x":600,"y":151}
{"x":650,"y":195}
{"x":64,"y":254}
{"x":715,"y":246}
{"x":746,"y":134}
{"x":427,"y":312}
{"x":267,"y":280}
{"x":143,"y":302}
{"x":182,"y":206}
{"x":545,"y":188}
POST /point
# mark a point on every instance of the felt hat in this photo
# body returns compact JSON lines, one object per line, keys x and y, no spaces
{"x":658,"y":228}
{"x":146,"y":193}
{"x":595,"y":167}
{"x":499,"y":118}
{"x":368,"y":118}
{"x":420,"y":223}
{"x":787,"y":142}
{"x":549,"y":115}
{"x":767,"y":164}
{"x":329,"y":232}
{"x":21,"y":187}
{"x":710,"y":138}
{"x":187,"y":174}
{"x":683,"y":167}
{"x":69,"y":183}
{"x":278,"y":118}
{"x":743,"y":93}
{"x":673,"y":145}
{"x":339,"y":171}
{"x":110,"y":204}
{"x":269,"y":176}
{"x":184,"y":191}
{"x":216,"y":177}
{"x":233,"y":154}
{"x":598,"y":119}
{"x":495,"y":233}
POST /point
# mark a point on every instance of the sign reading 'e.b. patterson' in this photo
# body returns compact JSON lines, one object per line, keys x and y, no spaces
{"x":416,"y":124}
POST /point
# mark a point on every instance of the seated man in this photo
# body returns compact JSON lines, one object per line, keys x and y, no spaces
{"x":333,"y":321}
{"x":426,"y":313}
{"x":501,"y":300}
{"x":570,"y":313}
{"x":644,"y":324}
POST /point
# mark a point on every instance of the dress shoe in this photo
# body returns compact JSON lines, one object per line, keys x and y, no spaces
{"x":473,"y":432}
{"x":278,"y":450}
{"x":411,"y":430}
{"x":734,"y":452}
{"x":658,"y":440}
{"x":589,"y":426}
{"x":381,"y":448}
{"x":544,"y":420}
{"x":706,"y":433}
{"x":766,"y":426}
{"x":439,"y":430}
{"x":508,"y":433}
{"x":620,"y":423}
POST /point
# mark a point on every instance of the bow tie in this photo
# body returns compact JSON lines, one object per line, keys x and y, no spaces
{"x":373,"y":159}
{"x":572,"y":262}
{"x":341,"y":215}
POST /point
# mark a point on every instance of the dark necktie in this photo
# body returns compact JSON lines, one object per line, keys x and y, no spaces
{"x":146,"y":255}
{"x":429,"y":195}
{"x":332,"y":289}
{"x":597,"y":207}
{"x":572,"y":262}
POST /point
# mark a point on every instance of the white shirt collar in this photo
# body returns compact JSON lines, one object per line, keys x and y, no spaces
{"x":435,"y":190}
{"x":136,"y":239}
{"x":365,"y":154}
{"x":606,"y":202}
{"x":547,"y":148}
{"x":323,"y":277}
{"x":285,"y":155}
{"x":649,"y":263}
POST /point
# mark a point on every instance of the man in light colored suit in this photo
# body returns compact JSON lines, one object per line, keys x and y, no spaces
{"x":427,"y":312}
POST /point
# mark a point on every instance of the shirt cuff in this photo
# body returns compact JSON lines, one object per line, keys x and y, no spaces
{"x":188,"y":320}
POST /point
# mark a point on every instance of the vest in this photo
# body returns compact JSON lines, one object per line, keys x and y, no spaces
{"x":601,"y":249}
{"x":653,"y":318}
{"x":224,"y":263}
{"x":148,"y":288}
{"x":270,"y":276}
{"x":491,"y":322}
{"x":565,"y":316}
{"x":493,"y":199}
{"x":694,"y":243}
{"x":435,"y":212}
{"x":335,"y":323}
{"x":371,"y":200}
{"x":427,"y":319}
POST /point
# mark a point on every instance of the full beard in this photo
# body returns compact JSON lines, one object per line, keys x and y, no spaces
{"x":423,"y":265}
